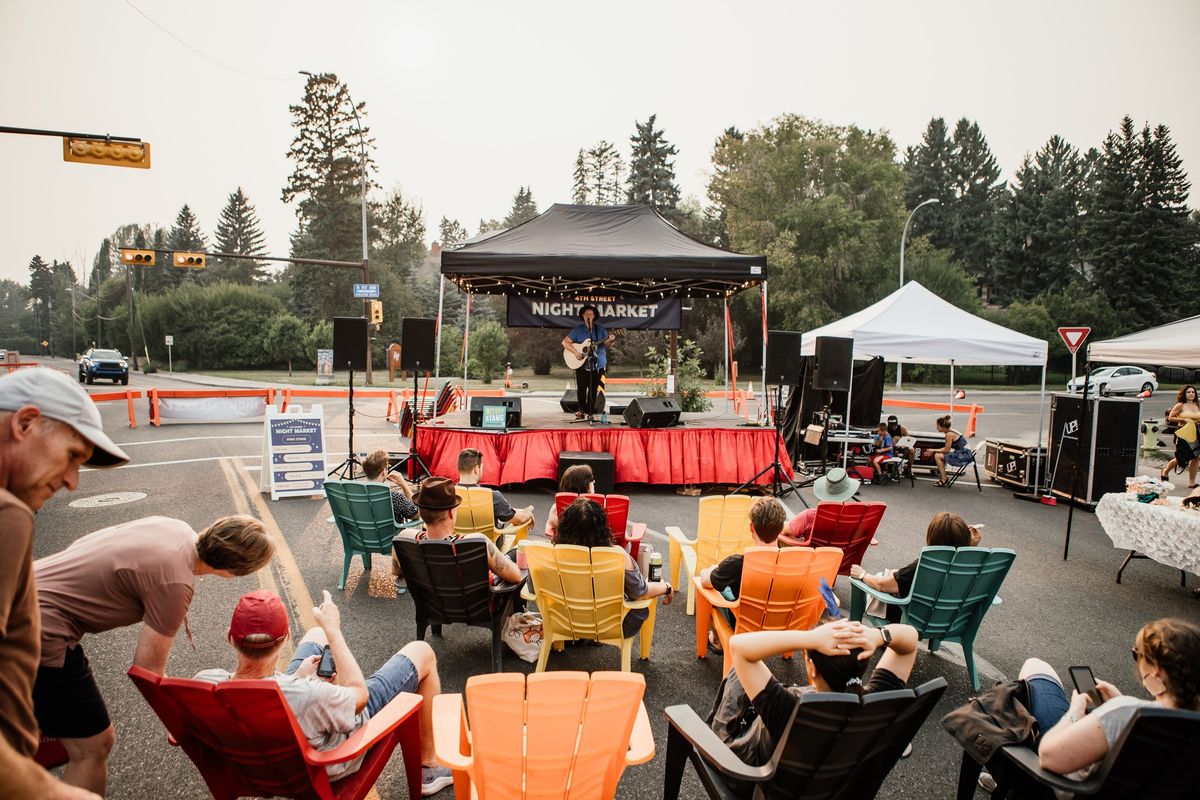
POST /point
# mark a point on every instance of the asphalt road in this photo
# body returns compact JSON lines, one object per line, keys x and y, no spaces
{"x":1068,"y":612}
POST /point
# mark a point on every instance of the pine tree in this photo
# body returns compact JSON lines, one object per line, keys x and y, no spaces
{"x":185,"y":235}
{"x":928,"y":175}
{"x":452,"y":232}
{"x":41,"y":294}
{"x":1137,"y":232}
{"x":524,"y":208}
{"x":579,"y":179}
{"x":978,"y":193}
{"x":651,"y":172}
{"x":238,"y":231}
{"x":399,"y":252}
{"x":326,"y":187}
{"x":101,"y":266}
{"x":1041,"y":224}
{"x":598,"y":177}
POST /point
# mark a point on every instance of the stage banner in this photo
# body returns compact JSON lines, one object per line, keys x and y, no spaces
{"x":633,"y":313}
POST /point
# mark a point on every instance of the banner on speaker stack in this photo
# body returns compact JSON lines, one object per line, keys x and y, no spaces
{"x":632,"y":313}
{"x":293,"y":454}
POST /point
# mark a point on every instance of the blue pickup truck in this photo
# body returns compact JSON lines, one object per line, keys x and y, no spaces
{"x":97,"y":363}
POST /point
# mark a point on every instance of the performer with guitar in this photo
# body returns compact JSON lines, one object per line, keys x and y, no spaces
{"x":585,"y":349}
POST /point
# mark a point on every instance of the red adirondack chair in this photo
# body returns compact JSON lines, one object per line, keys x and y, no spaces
{"x":850,"y":526}
{"x":626,"y":535}
{"x":245,"y":741}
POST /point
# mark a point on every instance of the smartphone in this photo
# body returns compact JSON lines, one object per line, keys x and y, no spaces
{"x":1085,"y":683}
{"x":831,"y":601}
{"x":326,"y":668}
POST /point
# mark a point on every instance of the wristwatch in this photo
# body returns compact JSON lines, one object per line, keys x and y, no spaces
{"x":886,"y":635}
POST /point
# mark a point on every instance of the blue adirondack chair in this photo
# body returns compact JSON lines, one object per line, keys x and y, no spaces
{"x":363,"y":515}
{"x":951,"y":591}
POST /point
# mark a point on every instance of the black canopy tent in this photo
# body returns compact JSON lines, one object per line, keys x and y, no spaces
{"x":578,"y":249}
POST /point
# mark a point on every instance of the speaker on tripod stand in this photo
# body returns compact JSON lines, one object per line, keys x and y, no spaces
{"x":783,"y":367}
{"x":417,"y":337}
{"x":349,"y":351}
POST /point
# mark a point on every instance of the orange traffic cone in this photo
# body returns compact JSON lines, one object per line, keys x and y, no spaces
{"x":960,"y":395}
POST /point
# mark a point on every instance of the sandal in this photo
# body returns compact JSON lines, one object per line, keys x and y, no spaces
{"x":940,"y":482}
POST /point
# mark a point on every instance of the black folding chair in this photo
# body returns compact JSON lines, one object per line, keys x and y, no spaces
{"x":952,"y":477}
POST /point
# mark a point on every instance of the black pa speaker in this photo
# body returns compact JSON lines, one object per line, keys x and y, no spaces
{"x":604,"y":468}
{"x":1112,"y":442}
{"x":783,"y":358}
{"x":570,"y":402}
{"x":511,"y":406}
{"x":651,"y":412}
{"x":835,"y":361}
{"x":417,"y":336}
{"x":350,"y":343}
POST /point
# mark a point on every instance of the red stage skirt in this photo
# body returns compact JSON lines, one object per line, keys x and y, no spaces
{"x":664,"y":456}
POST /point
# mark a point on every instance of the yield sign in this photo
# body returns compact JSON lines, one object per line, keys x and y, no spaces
{"x":1073,"y":337}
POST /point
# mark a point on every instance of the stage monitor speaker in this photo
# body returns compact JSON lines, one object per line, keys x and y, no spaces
{"x":570,"y":402}
{"x":651,"y":412}
{"x":417,"y":336}
{"x":835,"y":360}
{"x":511,"y":406}
{"x":350,"y":343}
{"x":1112,"y":439}
{"x":604,"y":468}
{"x":783,"y":358}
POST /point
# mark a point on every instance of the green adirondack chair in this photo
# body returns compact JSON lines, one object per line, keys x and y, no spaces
{"x":363,"y":515}
{"x":951,"y":591}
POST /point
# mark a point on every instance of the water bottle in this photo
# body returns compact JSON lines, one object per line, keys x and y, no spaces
{"x":655,"y":568}
{"x":603,"y":417}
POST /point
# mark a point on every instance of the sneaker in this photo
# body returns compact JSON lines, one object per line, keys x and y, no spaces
{"x":401,"y":586}
{"x":434,"y":779}
{"x":714,"y":644}
{"x":907,"y":750}
{"x":987,"y":782}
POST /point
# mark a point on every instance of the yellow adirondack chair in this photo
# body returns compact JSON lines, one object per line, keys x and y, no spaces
{"x":555,"y":735}
{"x":580,"y":592}
{"x":723,"y":529}
{"x":476,"y":515}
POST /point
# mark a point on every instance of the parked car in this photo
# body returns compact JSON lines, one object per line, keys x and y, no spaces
{"x":97,"y":363}
{"x":1117,"y":380}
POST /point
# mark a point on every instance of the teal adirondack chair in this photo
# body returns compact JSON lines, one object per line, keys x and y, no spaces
{"x":951,"y":591}
{"x":363,"y":515}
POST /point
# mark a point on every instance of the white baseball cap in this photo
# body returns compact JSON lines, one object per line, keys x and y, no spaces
{"x":58,"y":397}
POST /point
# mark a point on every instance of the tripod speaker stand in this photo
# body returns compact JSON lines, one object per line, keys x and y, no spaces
{"x":412,"y":462}
{"x":781,"y":482}
{"x":345,"y":470}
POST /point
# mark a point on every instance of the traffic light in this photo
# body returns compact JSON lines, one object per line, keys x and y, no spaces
{"x":190,"y":260}
{"x":143,"y":258}
{"x":377,"y":312}
{"x":106,"y":152}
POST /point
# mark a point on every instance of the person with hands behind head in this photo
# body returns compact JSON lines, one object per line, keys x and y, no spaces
{"x":329,"y":709}
{"x":836,"y":655}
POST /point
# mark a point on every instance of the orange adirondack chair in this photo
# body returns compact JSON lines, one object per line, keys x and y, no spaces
{"x":850,"y":526}
{"x":555,"y":735}
{"x":780,"y":592}
{"x":626,"y":535}
{"x":245,"y":741}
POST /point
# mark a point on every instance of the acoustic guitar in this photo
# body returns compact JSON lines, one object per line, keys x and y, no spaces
{"x":574,"y":361}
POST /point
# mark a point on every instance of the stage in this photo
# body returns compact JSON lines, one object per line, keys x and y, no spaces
{"x":707,"y":448}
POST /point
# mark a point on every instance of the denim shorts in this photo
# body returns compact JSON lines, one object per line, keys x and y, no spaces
{"x":398,"y":674}
{"x":1047,"y":701}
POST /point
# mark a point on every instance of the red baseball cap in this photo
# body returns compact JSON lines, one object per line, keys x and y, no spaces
{"x":259,"y":614}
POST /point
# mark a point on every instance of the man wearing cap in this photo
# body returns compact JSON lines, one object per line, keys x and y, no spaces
{"x":49,"y":427}
{"x":329,"y":710}
{"x":437,"y":502}
{"x":589,"y":378}
{"x":140,"y":571}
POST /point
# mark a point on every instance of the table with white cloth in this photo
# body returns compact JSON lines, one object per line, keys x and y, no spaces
{"x":1168,"y":534}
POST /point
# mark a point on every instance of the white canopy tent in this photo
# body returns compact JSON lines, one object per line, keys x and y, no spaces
{"x":914,"y":325}
{"x":1176,"y":344}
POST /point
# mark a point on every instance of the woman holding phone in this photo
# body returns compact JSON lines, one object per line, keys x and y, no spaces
{"x":1166,"y":657}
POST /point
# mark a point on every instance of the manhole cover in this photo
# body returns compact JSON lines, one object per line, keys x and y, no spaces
{"x":109,"y":499}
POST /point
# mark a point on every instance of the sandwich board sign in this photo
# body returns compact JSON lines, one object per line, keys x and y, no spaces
{"x":293,"y":453}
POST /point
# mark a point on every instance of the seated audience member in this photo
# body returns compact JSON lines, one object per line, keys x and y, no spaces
{"x":375,"y":468}
{"x":1075,"y":736}
{"x":946,"y":529}
{"x":954,"y":452}
{"x":330,"y":709}
{"x":882,"y":448}
{"x":438,"y":502}
{"x":470,"y":469}
{"x":834,"y":487}
{"x":578,"y":479}
{"x":584,"y":523}
{"x":141,"y":571}
{"x":836,"y":657}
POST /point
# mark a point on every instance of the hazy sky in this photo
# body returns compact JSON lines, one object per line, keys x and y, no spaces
{"x":469,"y":100}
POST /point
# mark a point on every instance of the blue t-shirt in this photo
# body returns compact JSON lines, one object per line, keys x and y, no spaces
{"x":599,"y":333}
{"x":883,"y":442}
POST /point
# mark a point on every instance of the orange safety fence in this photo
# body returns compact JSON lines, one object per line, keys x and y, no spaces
{"x":156,"y":394}
{"x":485,"y":393}
{"x":393,"y":396}
{"x":13,"y":366}
{"x":128,"y":395}
{"x":972,"y":410}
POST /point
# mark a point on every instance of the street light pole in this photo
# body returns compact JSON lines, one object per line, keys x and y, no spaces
{"x":362,"y":158}
{"x":903,"y":236}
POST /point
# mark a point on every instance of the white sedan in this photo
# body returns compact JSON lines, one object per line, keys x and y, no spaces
{"x":1117,"y":380}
